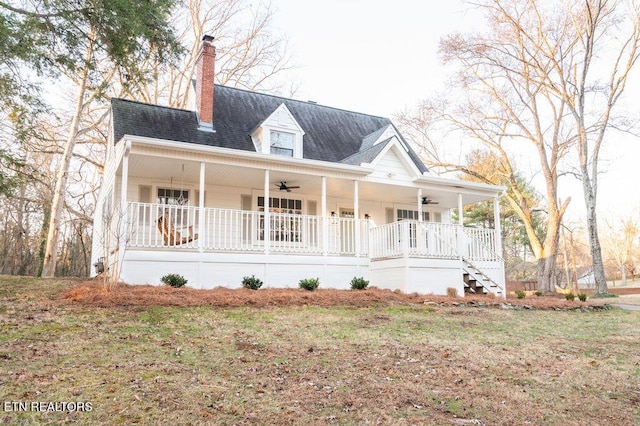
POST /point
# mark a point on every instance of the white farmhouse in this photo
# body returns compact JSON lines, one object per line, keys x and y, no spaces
{"x":254,"y":184}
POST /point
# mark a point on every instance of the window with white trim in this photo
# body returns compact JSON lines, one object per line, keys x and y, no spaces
{"x":174,"y":197}
{"x":285,"y":223}
{"x":404,"y":214}
{"x":281,"y":205}
{"x":282,"y":143}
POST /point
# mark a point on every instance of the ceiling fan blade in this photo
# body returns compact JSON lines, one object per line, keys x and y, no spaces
{"x":427,"y":200}
{"x":284,"y":187}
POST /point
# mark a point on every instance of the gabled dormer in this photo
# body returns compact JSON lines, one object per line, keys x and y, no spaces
{"x":388,"y":155}
{"x":279,"y":134}
{"x":382,"y":135}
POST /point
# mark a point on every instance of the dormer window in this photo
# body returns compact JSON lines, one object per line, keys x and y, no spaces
{"x":282,"y":143}
{"x":279,"y":134}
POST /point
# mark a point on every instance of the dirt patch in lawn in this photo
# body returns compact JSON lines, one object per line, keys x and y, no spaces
{"x":95,"y":294}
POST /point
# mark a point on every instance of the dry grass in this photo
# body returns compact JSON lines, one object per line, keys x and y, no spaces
{"x":311,"y":358}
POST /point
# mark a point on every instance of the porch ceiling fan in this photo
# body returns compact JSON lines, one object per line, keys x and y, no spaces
{"x":284,"y":187}
{"x":427,"y":200}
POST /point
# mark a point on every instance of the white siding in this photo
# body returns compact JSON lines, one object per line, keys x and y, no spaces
{"x":391,"y":167}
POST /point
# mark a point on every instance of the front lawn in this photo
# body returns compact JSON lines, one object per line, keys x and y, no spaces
{"x":381,"y":363}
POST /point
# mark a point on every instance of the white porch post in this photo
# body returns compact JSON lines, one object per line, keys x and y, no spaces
{"x":325,"y":222}
{"x":497,"y":226}
{"x":201,"y":224}
{"x":462,"y":237}
{"x":124,"y":209}
{"x":267,"y":216}
{"x":356,"y":216}
{"x":421,"y":243}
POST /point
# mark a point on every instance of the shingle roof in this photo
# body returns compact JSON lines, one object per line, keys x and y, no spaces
{"x":366,"y":155}
{"x":331,"y":134}
{"x":371,"y":138}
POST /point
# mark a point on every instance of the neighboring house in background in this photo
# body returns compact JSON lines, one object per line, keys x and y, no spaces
{"x":254,"y":184}
{"x":587,"y":279}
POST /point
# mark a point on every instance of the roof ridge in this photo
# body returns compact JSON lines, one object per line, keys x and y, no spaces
{"x":311,"y":103}
{"x":260,"y":94}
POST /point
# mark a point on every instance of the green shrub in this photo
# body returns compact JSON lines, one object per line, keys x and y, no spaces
{"x":570,"y":296}
{"x":521,"y":294}
{"x":538,"y":293}
{"x":252,"y":283}
{"x":582,"y":297}
{"x":359,"y":283}
{"x":174,"y":280}
{"x":309,"y":283}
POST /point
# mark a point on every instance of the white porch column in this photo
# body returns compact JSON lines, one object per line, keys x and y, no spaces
{"x":356,"y":215}
{"x":421,"y":243}
{"x":462,"y":237}
{"x":497,"y":226}
{"x":201,"y":224}
{"x":267,"y":216}
{"x":124,"y":209}
{"x":325,"y":222}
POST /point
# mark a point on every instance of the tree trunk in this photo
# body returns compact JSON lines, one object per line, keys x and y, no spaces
{"x":546,"y":274}
{"x":57,"y":204}
{"x":592,"y":231}
{"x":18,"y":265}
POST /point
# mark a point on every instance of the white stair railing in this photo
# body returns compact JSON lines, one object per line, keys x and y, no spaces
{"x":483,"y":261}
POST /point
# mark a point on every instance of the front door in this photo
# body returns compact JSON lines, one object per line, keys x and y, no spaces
{"x":347,"y":231}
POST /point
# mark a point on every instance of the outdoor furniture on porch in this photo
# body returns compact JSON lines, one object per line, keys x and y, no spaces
{"x":171,"y":235}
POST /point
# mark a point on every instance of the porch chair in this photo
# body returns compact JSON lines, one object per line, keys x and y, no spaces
{"x":171,"y":236}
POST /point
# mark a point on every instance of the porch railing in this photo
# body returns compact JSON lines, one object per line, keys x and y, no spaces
{"x":239,"y":230}
{"x":432,"y":240}
{"x":416,"y":239}
{"x":145,"y":228}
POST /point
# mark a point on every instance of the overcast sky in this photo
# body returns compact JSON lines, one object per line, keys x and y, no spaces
{"x":380,"y":57}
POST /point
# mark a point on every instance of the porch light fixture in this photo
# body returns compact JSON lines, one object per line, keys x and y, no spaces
{"x":366,"y":216}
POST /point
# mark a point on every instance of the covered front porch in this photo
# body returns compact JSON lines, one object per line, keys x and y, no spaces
{"x":216,"y":215}
{"x":388,"y":254}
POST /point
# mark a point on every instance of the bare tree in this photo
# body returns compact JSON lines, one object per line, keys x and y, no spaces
{"x":602,"y":43}
{"x":249,"y":54}
{"x":524,"y":88}
{"x":620,"y":243}
{"x":503,"y":108}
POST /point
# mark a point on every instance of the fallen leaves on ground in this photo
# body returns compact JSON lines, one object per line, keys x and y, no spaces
{"x":95,"y":294}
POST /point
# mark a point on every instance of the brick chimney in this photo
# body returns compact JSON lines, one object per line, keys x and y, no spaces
{"x":205,"y":65}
